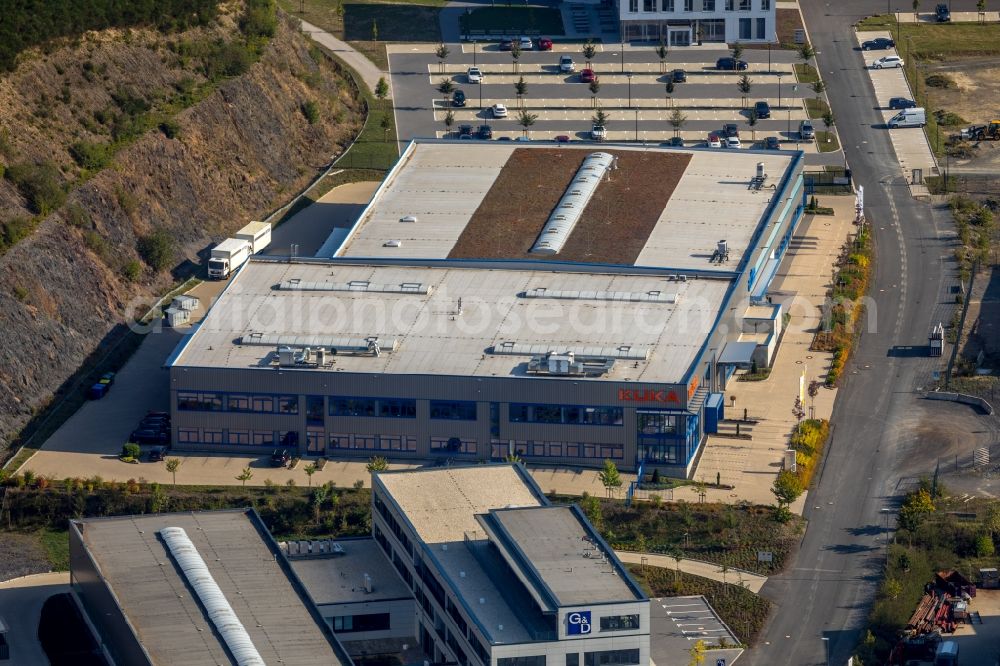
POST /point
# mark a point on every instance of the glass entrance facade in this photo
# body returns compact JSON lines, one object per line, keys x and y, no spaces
{"x":666,"y":437}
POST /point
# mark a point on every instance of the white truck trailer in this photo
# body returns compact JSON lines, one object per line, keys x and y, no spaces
{"x":227,"y":256}
{"x":257,"y":233}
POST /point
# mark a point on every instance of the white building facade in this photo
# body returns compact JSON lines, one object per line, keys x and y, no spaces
{"x":686,"y":22}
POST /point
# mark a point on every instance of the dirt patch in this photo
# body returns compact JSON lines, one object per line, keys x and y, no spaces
{"x":976,"y":93}
{"x":21,"y":555}
{"x":614,"y":226}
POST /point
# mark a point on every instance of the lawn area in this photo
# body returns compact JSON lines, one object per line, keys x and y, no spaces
{"x":720,"y":533}
{"x":743,"y":611}
{"x":534,"y":20}
{"x":56,"y":545}
{"x":824,"y":145}
{"x":816,"y":107}
{"x":938,"y":41}
{"x":805,"y":73}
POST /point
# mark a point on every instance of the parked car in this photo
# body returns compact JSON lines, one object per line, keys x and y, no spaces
{"x":942,"y":13}
{"x":506,"y":44}
{"x":522,"y":139}
{"x":498,"y":110}
{"x":733,"y":142}
{"x":157,"y":453}
{"x":458,"y":98}
{"x":902,"y":103}
{"x":763,"y":110}
{"x":544,"y":44}
{"x":280,"y":457}
{"x":772,"y":143}
{"x":806,"y":130}
{"x":587,"y":76}
{"x":149,"y":436}
{"x":730,"y":129}
{"x":566,"y":64}
{"x":526,"y":44}
{"x":678,"y":76}
{"x":474,"y":75}
{"x":878,"y":44}
{"x":598,"y":133}
{"x":485,"y":132}
{"x":504,"y":138}
{"x":888,"y":62}
{"x":154,"y":423}
{"x":731,"y":64}
{"x":714,"y":141}
{"x":465,"y":131}
{"x":165,"y":415}
{"x":562,"y":138}
{"x":674,"y":142}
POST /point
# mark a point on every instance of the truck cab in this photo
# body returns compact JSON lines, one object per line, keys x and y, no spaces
{"x":227,"y":256}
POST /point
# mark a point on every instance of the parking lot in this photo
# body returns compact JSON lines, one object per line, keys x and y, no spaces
{"x":632,"y":92}
{"x":676,"y":623}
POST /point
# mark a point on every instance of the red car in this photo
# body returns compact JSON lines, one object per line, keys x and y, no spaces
{"x":543,"y":44}
{"x":562,"y":138}
{"x":587,"y":76}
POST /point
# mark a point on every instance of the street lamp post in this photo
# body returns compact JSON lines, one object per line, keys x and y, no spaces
{"x":473,"y":53}
{"x":780,"y":74}
{"x":826,"y":649}
{"x":629,"y":77}
{"x":623,"y":54}
{"x":637,"y":123}
{"x":480,"y":94}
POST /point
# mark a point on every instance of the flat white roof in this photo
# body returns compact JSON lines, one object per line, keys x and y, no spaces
{"x":443,"y":185}
{"x":596,"y":314}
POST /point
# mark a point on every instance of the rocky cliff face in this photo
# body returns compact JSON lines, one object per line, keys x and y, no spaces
{"x":240,"y":151}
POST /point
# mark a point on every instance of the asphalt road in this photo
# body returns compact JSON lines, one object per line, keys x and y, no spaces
{"x":828,"y":592}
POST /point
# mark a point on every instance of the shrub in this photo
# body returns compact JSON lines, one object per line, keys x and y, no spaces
{"x":40,"y":184}
{"x":93,"y":156}
{"x":131,"y":450}
{"x":157,"y":250}
{"x":14,"y":230}
{"x":132,"y":270}
{"x":77,"y":216}
{"x":170,"y":128}
{"x":940,"y":81}
{"x":311,"y":111}
{"x":984,"y":546}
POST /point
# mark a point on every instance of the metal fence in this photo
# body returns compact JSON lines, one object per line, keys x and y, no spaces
{"x":833,"y":180}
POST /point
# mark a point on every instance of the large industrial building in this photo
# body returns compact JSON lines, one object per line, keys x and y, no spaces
{"x":686,"y":22}
{"x":466,"y":565}
{"x":565,"y":303}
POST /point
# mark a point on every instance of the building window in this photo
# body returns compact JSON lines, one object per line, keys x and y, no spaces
{"x":199,"y":402}
{"x":765,"y":5}
{"x":649,"y":5}
{"x":262,"y":403}
{"x":288,"y":404}
{"x":352,"y":406}
{"x":657,"y":423}
{"x":314,"y":410}
{"x":744,"y":28}
{"x":538,"y":660}
{"x":633,"y":6}
{"x":211,"y":436}
{"x":730,"y":5}
{"x":619,"y":622}
{"x":573,"y":659}
{"x":689,"y":5}
{"x":240,"y":437}
{"x":746,"y":5}
{"x":566,"y":414}
{"x":761,"y":28}
{"x":188,"y":436}
{"x":453,"y":445}
{"x":611,"y":658}
{"x":263,"y":438}
{"x":397,"y":408}
{"x":708,"y":5}
{"x":238,"y":402}
{"x":456,"y":410}
{"x":354,"y":623}
{"x":667,"y":5}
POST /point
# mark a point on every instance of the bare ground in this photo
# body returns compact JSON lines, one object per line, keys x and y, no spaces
{"x":21,"y":555}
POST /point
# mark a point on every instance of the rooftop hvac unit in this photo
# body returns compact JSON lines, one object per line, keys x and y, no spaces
{"x":393,"y":243}
{"x":560,"y":364}
{"x":760,"y":169}
{"x":410,"y":219}
{"x":369,"y":588}
{"x":286,"y":356}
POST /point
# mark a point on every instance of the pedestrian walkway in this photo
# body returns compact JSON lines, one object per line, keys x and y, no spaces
{"x":697,"y":72}
{"x":913,"y":150}
{"x":710,"y":570}
{"x":365,"y":68}
{"x":956,"y":17}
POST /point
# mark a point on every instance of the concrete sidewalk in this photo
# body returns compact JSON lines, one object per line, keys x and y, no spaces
{"x":365,"y":68}
{"x":710,"y":570}
{"x":21,"y":601}
{"x":956,"y":17}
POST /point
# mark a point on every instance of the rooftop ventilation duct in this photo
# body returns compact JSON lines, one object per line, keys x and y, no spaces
{"x":212,"y":599}
{"x":567,"y":213}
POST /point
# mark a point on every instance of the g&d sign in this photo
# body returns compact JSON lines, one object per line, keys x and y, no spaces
{"x":579,"y":623}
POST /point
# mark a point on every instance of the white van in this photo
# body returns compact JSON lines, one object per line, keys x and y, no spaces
{"x":908,"y":118}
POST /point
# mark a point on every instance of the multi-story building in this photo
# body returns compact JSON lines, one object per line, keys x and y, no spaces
{"x":503,"y":578}
{"x":685,"y":22}
{"x":436,"y":330}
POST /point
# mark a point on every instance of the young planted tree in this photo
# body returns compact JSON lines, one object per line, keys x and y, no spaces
{"x":786,"y":489}
{"x":374,"y":31}
{"x":595,"y":88}
{"x":449,"y":120}
{"x":319,"y":497}
{"x":744,"y":85}
{"x":752,"y":119}
{"x":661,"y":51}
{"x":697,"y":652}
{"x":677,"y":120}
{"x":588,"y":52}
{"x":340,"y":10}
{"x":381,"y":91}
{"x":916,"y":8}
{"x":600,"y":118}
{"x":526,"y":120}
{"x":818,"y":87}
{"x":981,"y":8}
{"x":172,"y":465}
{"x":521,"y":88}
{"x":610,"y":478}
{"x":310,"y":469}
{"x":828,"y":119}
{"x":245,"y":476}
{"x":515,"y":54}
{"x":386,"y":125}
{"x":445,"y":87}
{"x":737,"y":53}
{"x":442,"y":55}
{"x":377,"y":464}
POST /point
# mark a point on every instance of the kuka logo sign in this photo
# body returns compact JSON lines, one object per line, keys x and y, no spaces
{"x":579,"y":623}
{"x":648,"y":395}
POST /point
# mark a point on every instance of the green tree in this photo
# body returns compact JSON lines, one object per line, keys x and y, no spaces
{"x":984,"y":546}
{"x":991,"y":521}
{"x":381,"y":91}
{"x":600,"y":117}
{"x":340,"y":10}
{"x":806,"y":52}
{"x":592,"y":509}
{"x":374,"y":31}
{"x":661,"y":52}
{"x":245,"y":476}
{"x":786,"y":488}
{"x":526,"y":120}
{"x":891,"y":588}
{"x":515,"y":54}
{"x":818,"y":87}
{"x":442,"y":55}
{"x":678,"y":555}
{"x":319,"y":497}
{"x":595,"y":88}
{"x":610,"y":478}
{"x":677,"y":120}
{"x":131,"y":450}
{"x":588,"y":51}
{"x":386,"y":125}
{"x":172,"y":465}
{"x":445,"y":87}
{"x":744,"y":85}
{"x":377,"y":464}
{"x":697,"y":652}
{"x":828,"y":119}
{"x":449,"y":120}
{"x":521,"y":89}
{"x":752,"y":119}
{"x":981,"y":8}
{"x":310,"y":469}
{"x":916,"y":8}
{"x":916,"y":507}
{"x":737,"y":53}
{"x":157,"y":250}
